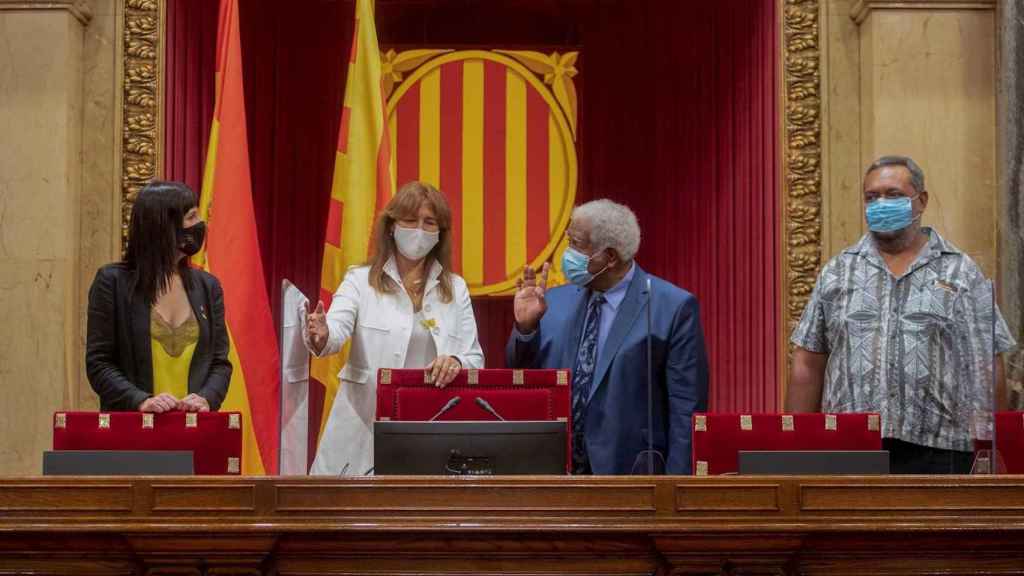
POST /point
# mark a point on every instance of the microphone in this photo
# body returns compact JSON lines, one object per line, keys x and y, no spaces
{"x":650,"y":388}
{"x":649,"y":453}
{"x":487,"y":406}
{"x":451,"y":404}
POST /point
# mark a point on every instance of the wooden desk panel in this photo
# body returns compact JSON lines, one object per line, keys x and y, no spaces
{"x":529,"y":525}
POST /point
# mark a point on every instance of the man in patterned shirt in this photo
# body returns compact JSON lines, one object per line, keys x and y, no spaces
{"x":904,"y":324}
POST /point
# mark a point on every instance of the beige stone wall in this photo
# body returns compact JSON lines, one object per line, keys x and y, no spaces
{"x":56,"y":178}
{"x":916,"y":78}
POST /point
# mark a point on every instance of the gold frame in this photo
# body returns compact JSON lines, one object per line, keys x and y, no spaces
{"x":801,"y":161}
{"x":141,"y":113}
{"x":800,"y":155}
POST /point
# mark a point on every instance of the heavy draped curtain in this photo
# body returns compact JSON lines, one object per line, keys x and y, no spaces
{"x":678,"y":119}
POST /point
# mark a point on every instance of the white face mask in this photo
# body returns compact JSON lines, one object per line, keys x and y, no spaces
{"x":415,"y":243}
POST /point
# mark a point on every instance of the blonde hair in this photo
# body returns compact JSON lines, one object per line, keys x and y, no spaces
{"x":406,"y":203}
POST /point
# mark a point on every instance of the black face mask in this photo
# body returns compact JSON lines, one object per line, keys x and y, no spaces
{"x":190,"y":239}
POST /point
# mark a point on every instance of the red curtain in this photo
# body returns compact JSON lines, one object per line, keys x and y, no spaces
{"x":678,"y":119}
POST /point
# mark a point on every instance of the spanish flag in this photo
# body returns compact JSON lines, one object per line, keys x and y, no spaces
{"x":232,"y":254}
{"x":362,"y":181}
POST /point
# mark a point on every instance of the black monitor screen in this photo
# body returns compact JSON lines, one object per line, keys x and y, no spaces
{"x":470,"y":448}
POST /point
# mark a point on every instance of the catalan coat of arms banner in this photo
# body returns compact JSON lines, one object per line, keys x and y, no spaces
{"x":496,"y":132}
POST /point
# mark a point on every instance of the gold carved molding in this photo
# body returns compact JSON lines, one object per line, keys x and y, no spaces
{"x":141,"y":111}
{"x":801,"y":156}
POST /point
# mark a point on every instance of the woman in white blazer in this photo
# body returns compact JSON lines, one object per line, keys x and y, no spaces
{"x":403,"y":309}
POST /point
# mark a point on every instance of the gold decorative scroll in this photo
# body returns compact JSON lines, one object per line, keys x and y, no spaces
{"x":395,"y":65}
{"x":801,"y":158}
{"x":140,"y":108}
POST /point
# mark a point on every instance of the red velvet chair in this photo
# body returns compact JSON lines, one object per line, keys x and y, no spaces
{"x":409,"y":395}
{"x":214,"y":438}
{"x":719,"y":438}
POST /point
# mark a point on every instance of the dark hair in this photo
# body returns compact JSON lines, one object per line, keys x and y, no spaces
{"x":152,"y":253}
{"x":404,"y":204}
{"x":916,"y":174}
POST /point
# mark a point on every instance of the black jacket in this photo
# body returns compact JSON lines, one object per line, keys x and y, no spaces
{"x":118,"y":349}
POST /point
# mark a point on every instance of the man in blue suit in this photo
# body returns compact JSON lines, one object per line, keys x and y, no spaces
{"x":598,"y":327}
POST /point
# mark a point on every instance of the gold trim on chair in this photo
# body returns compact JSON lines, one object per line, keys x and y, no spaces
{"x":700,"y":423}
{"x":234,"y":421}
{"x":787,"y":423}
{"x":60,"y":420}
{"x":147,"y":421}
{"x":702,"y":468}
{"x":831,"y":422}
{"x":104,"y":421}
{"x":874,"y":422}
{"x":746,"y":422}
{"x":191,"y":420}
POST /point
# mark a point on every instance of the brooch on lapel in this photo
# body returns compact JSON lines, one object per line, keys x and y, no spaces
{"x":430,"y":324}
{"x":951,"y":288}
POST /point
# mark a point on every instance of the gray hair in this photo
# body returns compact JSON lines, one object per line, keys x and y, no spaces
{"x":916,"y":174}
{"x":612,"y":225}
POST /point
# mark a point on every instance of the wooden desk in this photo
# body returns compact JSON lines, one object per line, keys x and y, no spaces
{"x":534,"y":525}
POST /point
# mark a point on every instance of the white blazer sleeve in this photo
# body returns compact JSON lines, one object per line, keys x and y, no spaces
{"x":471,"y":355}
{"x":341,"y":318}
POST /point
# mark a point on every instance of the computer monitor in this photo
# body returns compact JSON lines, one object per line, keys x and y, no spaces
{"x":117,"y":463}
{"x":470,"y":448}
{"x":816,"y":462}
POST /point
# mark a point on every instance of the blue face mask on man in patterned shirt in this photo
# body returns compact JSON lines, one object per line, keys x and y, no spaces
{"x":890,"y":214}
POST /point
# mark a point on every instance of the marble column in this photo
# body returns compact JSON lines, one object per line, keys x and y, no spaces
{"x":1012,"y":168}
{"x":41,"y":120}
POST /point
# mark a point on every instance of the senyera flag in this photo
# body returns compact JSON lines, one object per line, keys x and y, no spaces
{"x":362,"y":181}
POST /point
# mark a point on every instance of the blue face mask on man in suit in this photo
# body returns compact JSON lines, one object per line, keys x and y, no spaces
{"x":576,"y":267}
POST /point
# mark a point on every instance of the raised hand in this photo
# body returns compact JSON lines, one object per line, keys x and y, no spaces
{"x":529,"y":302}
{"x":316,"y":327}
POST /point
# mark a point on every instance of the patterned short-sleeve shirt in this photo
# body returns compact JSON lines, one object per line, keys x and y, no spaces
{"x":917,"y":349}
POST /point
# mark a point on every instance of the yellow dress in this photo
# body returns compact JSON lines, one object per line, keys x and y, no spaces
{"x":172,"y":354}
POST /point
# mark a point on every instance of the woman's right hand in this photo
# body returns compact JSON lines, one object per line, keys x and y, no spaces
{"x":159,"y":404}
{"x":316,"y":327}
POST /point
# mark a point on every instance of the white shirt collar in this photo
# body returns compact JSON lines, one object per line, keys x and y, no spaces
{"x":614,"y":295}
{"x":391,"y":269}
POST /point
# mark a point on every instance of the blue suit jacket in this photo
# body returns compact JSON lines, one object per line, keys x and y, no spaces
{"x":616,"y":414}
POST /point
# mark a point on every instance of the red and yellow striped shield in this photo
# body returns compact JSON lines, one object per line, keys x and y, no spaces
{"x":492,"y":135}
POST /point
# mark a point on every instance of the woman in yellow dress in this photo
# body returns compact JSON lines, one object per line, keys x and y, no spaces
{"x":156,"y":339}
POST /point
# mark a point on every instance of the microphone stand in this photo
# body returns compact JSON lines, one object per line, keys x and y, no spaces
{"x":650,"y":388}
